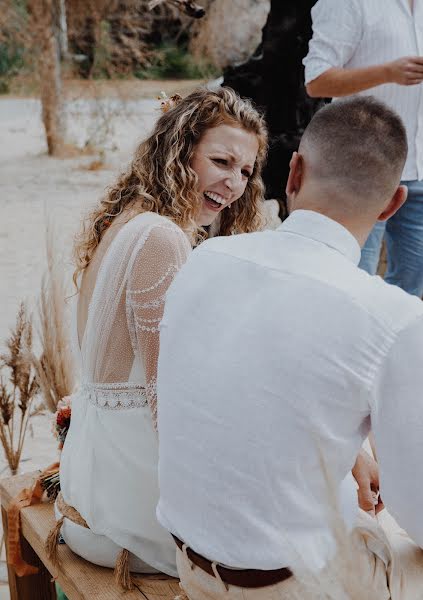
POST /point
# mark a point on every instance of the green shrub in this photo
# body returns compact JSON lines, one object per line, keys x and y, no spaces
{"x":11,"y":59}
{"x":4,"y":86}
{"x":172,"y":62}
{"x":12,"y":41}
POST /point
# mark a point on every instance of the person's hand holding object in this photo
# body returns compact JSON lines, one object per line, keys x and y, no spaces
{"x":366,"y":474}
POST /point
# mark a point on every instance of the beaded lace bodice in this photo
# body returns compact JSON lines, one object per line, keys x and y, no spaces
{"x":125,"y":292}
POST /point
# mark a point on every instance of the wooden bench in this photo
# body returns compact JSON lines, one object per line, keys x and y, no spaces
{"x":79,"y":579}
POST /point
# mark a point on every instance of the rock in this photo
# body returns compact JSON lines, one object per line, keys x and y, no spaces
{"x":230,"y":32}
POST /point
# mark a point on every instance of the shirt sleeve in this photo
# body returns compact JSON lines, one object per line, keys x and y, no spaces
{"x":337,"y":31}
{"x":397,"y":422}
{"x":153,"y":270}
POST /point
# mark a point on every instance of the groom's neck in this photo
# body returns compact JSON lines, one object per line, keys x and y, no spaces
{"x":338,"y":209}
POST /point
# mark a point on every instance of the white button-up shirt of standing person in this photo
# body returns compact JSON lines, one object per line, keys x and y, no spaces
{"x":376,"y":47}
{"x":291,"y":354}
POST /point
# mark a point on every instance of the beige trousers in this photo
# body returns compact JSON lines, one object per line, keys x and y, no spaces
{"x":378,"y":561}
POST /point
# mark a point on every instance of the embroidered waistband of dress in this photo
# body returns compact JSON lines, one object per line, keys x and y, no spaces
{"x":114,"y":396}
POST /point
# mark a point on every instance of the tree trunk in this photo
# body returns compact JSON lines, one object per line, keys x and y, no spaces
{"x":63,"y":29}
{"x":274,"y":79}
{"x":46,"y":27}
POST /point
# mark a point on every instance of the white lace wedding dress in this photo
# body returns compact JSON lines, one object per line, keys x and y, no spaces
{"x":108,"y":469}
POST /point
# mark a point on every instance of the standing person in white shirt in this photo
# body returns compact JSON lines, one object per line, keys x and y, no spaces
{"x":291,"y":355}
{"x":376,"y":47}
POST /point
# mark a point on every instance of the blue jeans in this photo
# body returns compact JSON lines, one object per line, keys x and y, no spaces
{"x":404,"y":243}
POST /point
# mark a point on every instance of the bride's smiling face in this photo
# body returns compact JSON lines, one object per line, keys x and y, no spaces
{"x":224,"y":161}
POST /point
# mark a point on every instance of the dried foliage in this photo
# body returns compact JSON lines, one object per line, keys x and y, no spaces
{"x":54,"y":368}
{"x":120,"y":37}
{"x":17,"y":389}
{"x":346,"y":577}
{"x":103,"y":34}
{"x":14,"y":23}
{"x":192,"y":9}
{"x":107,"y":38}
{"x":14,"y":39}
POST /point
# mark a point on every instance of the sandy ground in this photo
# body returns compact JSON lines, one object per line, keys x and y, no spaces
{"x":35,"y":189}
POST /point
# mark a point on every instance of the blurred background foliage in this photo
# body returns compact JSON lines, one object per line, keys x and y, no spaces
{"x":173,"y":61}
{"x":13,"y":21}
{"x":106,"y":39}
{"x":257,"y":46}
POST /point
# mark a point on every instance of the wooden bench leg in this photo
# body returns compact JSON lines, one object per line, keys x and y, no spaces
{"x":31,"y":587}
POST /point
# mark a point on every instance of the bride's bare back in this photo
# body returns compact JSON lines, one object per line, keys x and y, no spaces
{"x":121,"y":300}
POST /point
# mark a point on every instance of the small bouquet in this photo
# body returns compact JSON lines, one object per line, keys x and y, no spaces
{"x":62,"y":420}
{"x":50,"y":482}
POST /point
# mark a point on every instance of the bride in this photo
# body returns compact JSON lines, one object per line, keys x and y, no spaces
{"x":202,"y":162}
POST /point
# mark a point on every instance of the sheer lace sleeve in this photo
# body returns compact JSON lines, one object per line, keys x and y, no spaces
{"x":152,"y":271}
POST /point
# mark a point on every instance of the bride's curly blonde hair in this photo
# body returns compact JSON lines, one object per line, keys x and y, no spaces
{"x":160,"y":178}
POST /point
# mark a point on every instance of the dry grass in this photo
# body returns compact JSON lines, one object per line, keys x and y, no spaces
{"x":346,"y":578}
{"x":54,"y":369}
{"x":17,"y":392}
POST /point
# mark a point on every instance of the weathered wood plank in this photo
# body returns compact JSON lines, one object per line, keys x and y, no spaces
{"x":33,"y":587}
{"x":155,"y":589}
{"x":79,"y":579}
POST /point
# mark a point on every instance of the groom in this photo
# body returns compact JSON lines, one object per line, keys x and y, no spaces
{"x":278,"y":356}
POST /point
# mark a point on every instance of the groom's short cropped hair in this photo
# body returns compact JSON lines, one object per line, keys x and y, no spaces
{"x":357,"y":146}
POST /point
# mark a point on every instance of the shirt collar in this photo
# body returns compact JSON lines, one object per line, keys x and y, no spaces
{"x":320,"y":228}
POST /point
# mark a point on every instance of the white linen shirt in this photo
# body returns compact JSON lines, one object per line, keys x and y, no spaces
{"x":360,"y":33}
{"x":278,"y":352}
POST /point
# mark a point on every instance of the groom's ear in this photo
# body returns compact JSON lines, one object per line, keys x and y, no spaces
{"x":295,"y":175}
{"x":397,"y":200}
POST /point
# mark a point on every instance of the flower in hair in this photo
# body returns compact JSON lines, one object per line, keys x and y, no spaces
{"x":167,"y":103}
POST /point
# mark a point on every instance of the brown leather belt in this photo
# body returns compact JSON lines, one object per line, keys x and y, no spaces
{"x":244,"y":578}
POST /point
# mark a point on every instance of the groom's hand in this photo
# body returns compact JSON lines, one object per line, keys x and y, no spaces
{"x":366,"y":474}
